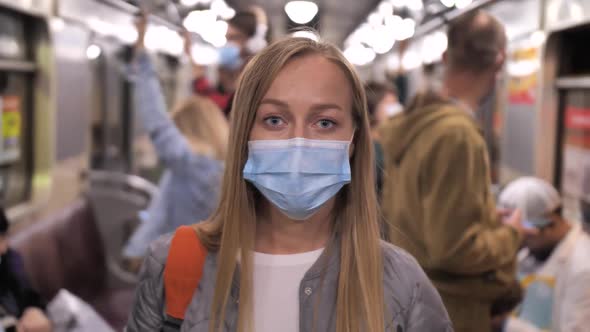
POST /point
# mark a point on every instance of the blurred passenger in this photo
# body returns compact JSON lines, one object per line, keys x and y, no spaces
{"x":554,"y":266}
{"x":436,"y":194}
{"x":191,"y":143}
{"x":294,"y":244}
{"x":382,"y":104}
{"x":247,"y":34}
{"x":20,"y":305}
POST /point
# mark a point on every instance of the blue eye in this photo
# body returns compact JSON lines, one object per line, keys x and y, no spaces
{"x":326,"y":124}
{"x":274,"y":121}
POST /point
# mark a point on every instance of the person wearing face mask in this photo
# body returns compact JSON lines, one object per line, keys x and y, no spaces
{"x":21,"y":307}
{"x":436,"y":193}
{"x":294,"y":244}
{"x":247,"y":34}
{"x":382,"y":104}
{"x":553,"y":266}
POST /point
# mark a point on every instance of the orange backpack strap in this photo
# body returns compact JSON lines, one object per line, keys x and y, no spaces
{"x":183,"y":271}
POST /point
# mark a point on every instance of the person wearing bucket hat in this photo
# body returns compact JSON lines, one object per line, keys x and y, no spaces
{"x":553,"y":266}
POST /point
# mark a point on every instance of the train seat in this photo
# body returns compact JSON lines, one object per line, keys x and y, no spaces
{"x":65,"y":251}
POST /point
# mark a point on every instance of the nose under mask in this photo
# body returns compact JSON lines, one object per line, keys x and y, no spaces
{"x":298,"y":175}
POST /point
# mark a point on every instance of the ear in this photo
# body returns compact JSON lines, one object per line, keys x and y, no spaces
{"x":351,"y":147}
{"x":500,"y":59}
{"x":445,"y":58}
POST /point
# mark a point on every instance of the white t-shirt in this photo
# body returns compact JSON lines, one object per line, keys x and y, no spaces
{"x":276,"y":289}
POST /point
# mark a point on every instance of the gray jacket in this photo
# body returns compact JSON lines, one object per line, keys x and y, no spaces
{"x":411,"y":302}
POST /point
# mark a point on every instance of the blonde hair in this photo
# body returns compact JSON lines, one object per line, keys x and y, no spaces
{"x":231,"y":230}
{"x":204,"y":126}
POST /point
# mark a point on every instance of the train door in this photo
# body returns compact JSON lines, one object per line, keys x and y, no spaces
{"x":16,"y":88}
{"x":572,"y":162}
{"x":111,"y":125}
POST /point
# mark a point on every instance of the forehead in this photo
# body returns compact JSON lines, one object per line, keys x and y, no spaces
{"x":313,"y":77}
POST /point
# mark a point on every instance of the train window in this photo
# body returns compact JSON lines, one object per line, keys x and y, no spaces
{"x":12,"y":37}
{"x":15,"y":161}
{"x":574,"y":168}
{"x":16,"y":84}
{"x":575,"y":53}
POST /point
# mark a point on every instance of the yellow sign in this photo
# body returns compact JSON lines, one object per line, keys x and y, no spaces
{"x":11,"y":117}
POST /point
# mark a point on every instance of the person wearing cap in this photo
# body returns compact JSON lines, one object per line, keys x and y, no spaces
{"x":21,"y":307}
{"x":553,"y":266}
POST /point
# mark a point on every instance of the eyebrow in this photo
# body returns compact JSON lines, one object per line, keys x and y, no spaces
{"x":315,"y":107}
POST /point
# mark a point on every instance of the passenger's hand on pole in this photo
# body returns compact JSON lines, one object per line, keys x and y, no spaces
{"x":141,"y":26}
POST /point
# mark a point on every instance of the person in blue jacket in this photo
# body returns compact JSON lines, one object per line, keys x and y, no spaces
{"x":191,"y":142}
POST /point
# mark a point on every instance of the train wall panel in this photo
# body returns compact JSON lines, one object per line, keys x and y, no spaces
{"x":518,"y":139}
{"x":73,"y":91}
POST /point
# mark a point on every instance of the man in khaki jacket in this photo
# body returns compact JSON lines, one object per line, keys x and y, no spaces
{"x":437,"y":196}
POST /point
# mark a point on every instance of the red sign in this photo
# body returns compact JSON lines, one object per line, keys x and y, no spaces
{"x":577,"y":118}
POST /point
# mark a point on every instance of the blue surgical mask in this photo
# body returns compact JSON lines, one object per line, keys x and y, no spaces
{"x":229,"y":57}
{"x":298,"y":175}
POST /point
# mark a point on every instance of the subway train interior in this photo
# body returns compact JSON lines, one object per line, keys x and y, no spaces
{"x":77,"y":166}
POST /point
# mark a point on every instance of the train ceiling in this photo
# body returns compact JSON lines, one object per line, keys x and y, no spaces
{"x":336,"y":19}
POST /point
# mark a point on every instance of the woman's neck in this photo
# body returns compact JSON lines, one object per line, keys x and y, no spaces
{"x":278,"y":234}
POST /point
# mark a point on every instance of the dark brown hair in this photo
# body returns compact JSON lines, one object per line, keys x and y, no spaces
{"x":246,"y":22}
{"x":474,"y":41}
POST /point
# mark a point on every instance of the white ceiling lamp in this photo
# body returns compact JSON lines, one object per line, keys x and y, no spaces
{"x":538,"y":38}
{"x":221,"y":9}
{"x":216,"y":34}
{"x":433,"y":47}
{"x":393,"y":61}
{"x":190,"y":3}
{"x":163,"y":39}
{"x":57,"y":24}
{"x":398,"y":3}
{"x":385,"y":8}
{"x":405,"y":29}
{"x":383,"y":40}
{"x":375,"y":19}
{"x":462,"y":3}
{"x":301,"y":12}
{"x":359,"y":55}
{"x":199,"y":21}
{"x":306,"y":34}
{"x":93,"y":52}
{"x":204,"y":55}
{"x":127,"y":34}
{"x":415,"y":5}
{"x":411,"y":60}
{"x":393,"y":21}
{"x":448,"y":3}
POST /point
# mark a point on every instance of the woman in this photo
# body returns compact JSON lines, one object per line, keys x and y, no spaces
{"x":294,"y":244}
{"x":191,"y":143}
